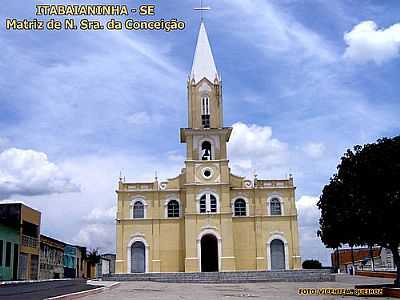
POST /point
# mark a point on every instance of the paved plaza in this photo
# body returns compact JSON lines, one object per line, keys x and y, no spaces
{"x":263,"y":290}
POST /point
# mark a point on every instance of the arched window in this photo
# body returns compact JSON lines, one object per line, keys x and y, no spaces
{"x":203,"y":204}
{"x":213,"y":203}
{"x":173,"y":209}
{"x":275,"y":207}
{"x":205,"y":112}
{"x":240,"y":207}
{"x":138,"y":210}
{"x":208,"y":203}
{"x":206,"y":151}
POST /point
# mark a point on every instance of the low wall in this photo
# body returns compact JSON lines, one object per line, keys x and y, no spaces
{"x":228,"y":277}
{"x":376,"y":274}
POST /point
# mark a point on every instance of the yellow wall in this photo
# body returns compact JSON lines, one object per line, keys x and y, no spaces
{"x":173,"y":244}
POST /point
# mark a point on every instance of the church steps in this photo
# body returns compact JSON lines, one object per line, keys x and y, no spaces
{"x":228,"y":277}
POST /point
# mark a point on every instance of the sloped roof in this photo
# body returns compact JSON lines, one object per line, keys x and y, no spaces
{"x":203,"y":61}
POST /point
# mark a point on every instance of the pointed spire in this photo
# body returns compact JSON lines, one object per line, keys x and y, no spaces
{"x":203,"y":61}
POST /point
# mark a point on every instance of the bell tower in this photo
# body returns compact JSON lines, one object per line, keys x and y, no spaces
{"x":205,"y":136}
{"x":207,"y":174}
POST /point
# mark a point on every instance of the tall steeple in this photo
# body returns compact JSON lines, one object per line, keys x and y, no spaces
{"x":203,"y":61}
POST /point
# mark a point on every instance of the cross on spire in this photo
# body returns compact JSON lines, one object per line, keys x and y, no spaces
{"x":202,"y":9}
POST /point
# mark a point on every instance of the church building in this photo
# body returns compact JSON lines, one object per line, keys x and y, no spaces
{"x":206,"y":219}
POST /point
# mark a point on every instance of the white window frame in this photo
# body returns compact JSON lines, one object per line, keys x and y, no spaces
{"x":247,"y":206}
{"x":219,"y":241}
{"x":131,"y":206}
{"x":146,"y":247}
{"x":166,"y":208}
{"x":269,"y":205}
{"x":205,"y":105}
{"x":208,"y":202}
{"x":286,"y":250}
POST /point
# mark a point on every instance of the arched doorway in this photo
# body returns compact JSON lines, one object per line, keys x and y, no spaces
{"x":277,"y":255}
{"x":138,"y":258}
{"x":209,"y":253}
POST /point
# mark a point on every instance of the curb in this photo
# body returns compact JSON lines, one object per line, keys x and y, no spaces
{"x":81,"y":294}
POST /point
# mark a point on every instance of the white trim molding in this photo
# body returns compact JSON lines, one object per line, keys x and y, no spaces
{"x":275,"y":196}
{"x":208,"y":205}
{"x":219,"y":243}
{"x":213,"y":140}
{"x":277,"y":236}
{"x":134,"y":239}
{"x":203,"y":170}
{"x":247,"y":205}
{"x":166,"y":201}
{"x":142,"y":200}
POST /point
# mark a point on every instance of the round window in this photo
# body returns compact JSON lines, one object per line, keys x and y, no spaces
{"x":207,"y":173}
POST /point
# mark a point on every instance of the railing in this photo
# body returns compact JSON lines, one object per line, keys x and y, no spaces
{"x":138,"y":186}
{"x":274,"y":183}
{"x":28,"y":241}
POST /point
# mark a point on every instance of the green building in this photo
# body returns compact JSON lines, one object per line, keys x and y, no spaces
{"x":9,"y":243}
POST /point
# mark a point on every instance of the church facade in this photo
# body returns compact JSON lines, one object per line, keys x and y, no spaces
{"x":206,"y":219}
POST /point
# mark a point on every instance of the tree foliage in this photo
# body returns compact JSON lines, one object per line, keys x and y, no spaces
{"x":93,"y":256}
{"x":361,"y":204}
{"x":311,"y":264}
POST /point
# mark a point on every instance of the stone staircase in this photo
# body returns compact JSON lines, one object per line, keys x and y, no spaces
{"x":228,"y":277}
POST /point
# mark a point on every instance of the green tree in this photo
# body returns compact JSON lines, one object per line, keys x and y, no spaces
{"x":311,"y":264}
{"x":93,"y":256}
{"x":361,"y":204}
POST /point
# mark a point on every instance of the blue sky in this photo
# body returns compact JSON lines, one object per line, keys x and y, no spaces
{"x":309,"y":79}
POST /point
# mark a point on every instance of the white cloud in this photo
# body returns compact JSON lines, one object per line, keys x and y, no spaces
{"x":314,"y":150}
{"x":28,"y":172}
{"x":102,"y":215}
{"x":308,"y":215}
{"x":253,"y":147}
{"x":365,"y":42}
{"x":99,"y":230}
{"x":101,"y":236}
{"x":308,"y":210}
{"x":277,"y":32}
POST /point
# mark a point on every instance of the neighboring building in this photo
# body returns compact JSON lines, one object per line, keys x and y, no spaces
{"x":81,"y":262}
{"x":51,"y":258}
{"x":206,"y":218}
{"x":9,"y":241}
{"x":387,"y":259}
{"x":111,"y":258}
{"x":70,"y":254}
{"x":75,"y":264}
{"x":20,"y":230}
{"x":342,"y":259}
{"x":103,"y":267}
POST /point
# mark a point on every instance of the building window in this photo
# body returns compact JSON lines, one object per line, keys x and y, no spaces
{"x":205,"y":112}
{"x":203,"y":204}
{"x":240,"y":207}
{"x":208,"y":203}
{"x":213,"y":203}
{"x":206,"y":151}
{"x":138,"y":210}
{"x":205,"y":105}
{"x":8,"y":254}
{"x":1,"y":252}
{"x":275,"y":207}
{"x":173,"y":209}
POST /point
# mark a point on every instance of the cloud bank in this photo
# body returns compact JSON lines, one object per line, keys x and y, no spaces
{"x":366,"y":42}
{"x":28,"y":172}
